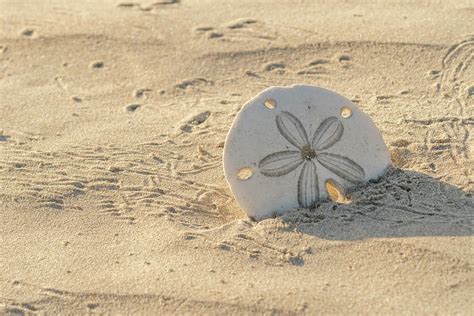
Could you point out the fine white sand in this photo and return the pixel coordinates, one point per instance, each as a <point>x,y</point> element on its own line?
<point>113,117</point>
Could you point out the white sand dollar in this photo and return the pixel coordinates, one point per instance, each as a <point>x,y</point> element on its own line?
<point>289,146</point>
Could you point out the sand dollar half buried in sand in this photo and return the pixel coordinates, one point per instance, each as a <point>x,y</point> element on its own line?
<point>287,142</point>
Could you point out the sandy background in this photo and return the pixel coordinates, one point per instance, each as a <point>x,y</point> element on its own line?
<point>112,122</point>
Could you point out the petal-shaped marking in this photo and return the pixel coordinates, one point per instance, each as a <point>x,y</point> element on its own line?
<point>342,166</point>
<point>291,128</point>
<point>308,185</point>
<point>280,163</point>
<point>328,133</point>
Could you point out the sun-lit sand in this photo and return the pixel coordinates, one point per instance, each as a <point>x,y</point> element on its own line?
<point>113,117</point>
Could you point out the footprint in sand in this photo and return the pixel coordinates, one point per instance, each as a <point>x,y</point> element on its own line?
<point>316,67</point>
<point>127,4</point>
<point>245,29</point>
<point>251,73</point>
<point>147,6</point>
<point>28,33</point>
<point>132,107</point>
<point>193,83</point>
<point>76,99</point>
<point>203,29</point>
<point>194,120</point>
<point>241,29</point>
<point>343,58</point>
<point>273,66</point>
<point>240,23</point>
<point>97,65</point>
<point>141,93</point>
<point>208,31</point>
<point>167,2</point>
<point>215,35</point>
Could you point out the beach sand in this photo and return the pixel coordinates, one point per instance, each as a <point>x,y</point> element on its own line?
<point>113,117</point>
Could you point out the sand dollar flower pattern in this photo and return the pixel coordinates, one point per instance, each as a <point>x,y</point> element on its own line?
<point>307,152</point>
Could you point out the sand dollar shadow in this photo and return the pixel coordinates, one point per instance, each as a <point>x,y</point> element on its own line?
<point>400,204</point>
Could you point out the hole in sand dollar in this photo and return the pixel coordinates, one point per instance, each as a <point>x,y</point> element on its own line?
<point>245,173</point>
<point>270,104</point>
<point>346,112</point>
<point>335,192</point>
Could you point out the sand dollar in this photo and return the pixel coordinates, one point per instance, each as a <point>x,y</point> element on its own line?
<point>290,147</point>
